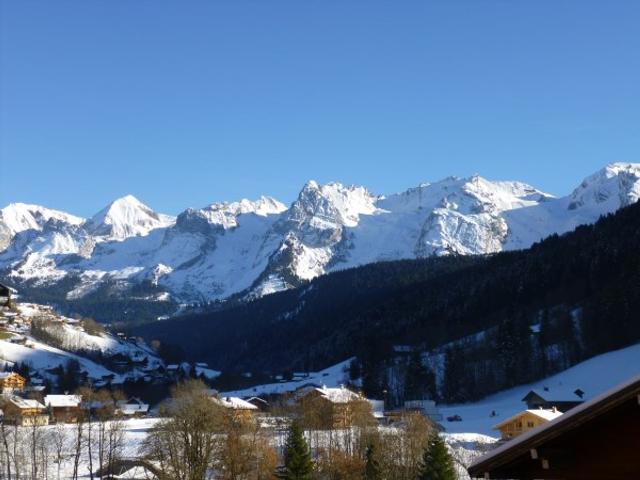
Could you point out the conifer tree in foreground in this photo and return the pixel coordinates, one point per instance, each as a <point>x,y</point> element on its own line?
<point>297,459</point>
<point>438,464</point>
<point>372,470</point>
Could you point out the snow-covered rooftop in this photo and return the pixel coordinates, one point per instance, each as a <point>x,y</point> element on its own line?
<point>59,401</point>
<point>235,403</point>
<point>339,394</point>
<point>23,403</point>
<point>545,414</point>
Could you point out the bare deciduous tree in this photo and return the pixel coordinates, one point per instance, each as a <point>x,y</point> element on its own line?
<point>186,444</point>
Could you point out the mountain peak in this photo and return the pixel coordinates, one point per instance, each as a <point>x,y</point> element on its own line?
<point>332,203</point>
<point>18,217</point>
<point>616,185</point>
<point>127,199</point>
<point>126,217</point>
<point>226,213</point>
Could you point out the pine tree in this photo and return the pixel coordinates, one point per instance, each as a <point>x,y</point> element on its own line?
<point>372,469</point>
<point>438,464</point>
<point>420,381</point>
<point>297,459</point>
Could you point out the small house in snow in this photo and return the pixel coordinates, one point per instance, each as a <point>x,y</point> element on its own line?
<point>562,399</point>
<point>64,408</point>
<point>239,407</point>
<point>337,407</point>
<point>25,412</point>
<point>524,421</point>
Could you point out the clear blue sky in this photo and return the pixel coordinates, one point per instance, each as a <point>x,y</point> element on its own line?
<point>182,103</point>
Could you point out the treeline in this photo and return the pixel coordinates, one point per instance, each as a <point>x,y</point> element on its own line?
<point>115,302</point>
<point>591,275</point>
<point>517,351</point>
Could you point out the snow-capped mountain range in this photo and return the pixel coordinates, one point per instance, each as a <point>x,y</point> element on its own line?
<point>259,247</point>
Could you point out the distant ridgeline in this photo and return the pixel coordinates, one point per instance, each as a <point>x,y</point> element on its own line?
<point>468,326</point>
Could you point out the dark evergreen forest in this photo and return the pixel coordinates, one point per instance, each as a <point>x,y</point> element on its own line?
<point>499,320</point>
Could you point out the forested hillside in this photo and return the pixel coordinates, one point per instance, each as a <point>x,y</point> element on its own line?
<point>521,314</point>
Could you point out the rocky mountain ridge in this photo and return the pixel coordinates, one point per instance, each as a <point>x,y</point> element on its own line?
<point>253,248</point>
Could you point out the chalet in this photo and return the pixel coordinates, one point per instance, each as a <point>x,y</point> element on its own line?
<point>133,407</point>
<point>64,408</point>
<point>561,398</point>
<point>239,407</point>
<point>11,382</point>
<point>25,412</point>
<point>598,439</point>
<point>336,407</point>
<point>524,421</point>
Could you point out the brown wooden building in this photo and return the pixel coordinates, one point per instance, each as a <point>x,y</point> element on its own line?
<point>599,439</point>
<point>240,408</point>
<point>11,382</point>
<point>328,408</point>
<point>64,408</point>
<point>524,421</point>
<point>22,411</point>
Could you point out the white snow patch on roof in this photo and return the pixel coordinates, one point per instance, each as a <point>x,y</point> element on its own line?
<point>62,400</point>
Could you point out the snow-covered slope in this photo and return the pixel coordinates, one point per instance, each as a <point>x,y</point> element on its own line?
<point>333,376</point>
<point>259,247</point>
<point>592,376</point>
<point>18,217</point>
<point>67,340</point>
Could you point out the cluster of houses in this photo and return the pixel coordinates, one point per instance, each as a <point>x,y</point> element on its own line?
<point>333,407</point>
<point>19,409</point>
